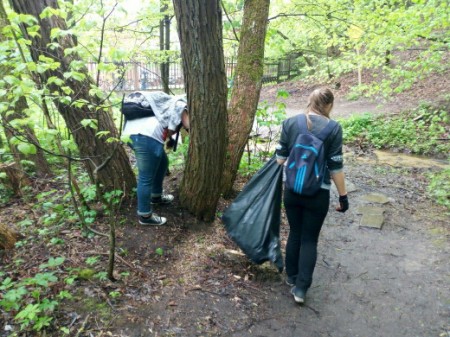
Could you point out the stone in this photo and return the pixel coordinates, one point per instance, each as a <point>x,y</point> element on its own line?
<point>370,210</point>
<point>372,220</point>
<point>376,198</point>
<point>348,185</point>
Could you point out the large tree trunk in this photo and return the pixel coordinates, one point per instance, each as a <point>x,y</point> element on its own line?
<point>26,132</point>
<point>200,34</point>
<point>117,173</point>
<point>246,86</point>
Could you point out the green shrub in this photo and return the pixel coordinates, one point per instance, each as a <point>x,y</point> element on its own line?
<point>421,131</point>
<point>439,187</point>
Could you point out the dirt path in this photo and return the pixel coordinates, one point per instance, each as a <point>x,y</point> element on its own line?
<point>368,282</point>
<point>188,279</point>
<point>392,281</point>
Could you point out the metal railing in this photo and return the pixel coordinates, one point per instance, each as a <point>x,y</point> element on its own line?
<point>131,76</point>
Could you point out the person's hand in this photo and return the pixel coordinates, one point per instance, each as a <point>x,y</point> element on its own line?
<point>170,143</point>
<point>343,204</point>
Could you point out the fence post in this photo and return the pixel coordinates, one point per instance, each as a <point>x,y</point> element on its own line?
<point>289,68</point>
<point>135,75</point>
<point>278,71</point>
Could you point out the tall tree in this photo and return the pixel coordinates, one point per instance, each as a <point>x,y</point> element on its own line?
<point>7,119</point>
<point>107,162</point>
<point>200,34</point>
<point>164,45</point>
<point>246,86</point>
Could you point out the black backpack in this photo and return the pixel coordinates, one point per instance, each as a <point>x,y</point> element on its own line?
<point>132,111</point>
<point>307,163</point>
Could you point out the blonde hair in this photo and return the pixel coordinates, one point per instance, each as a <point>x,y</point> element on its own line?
<point>320,101</point>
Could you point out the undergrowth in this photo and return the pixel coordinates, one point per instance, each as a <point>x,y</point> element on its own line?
<point>423,131</point>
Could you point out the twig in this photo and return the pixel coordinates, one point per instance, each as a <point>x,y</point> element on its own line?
<point>116,255</point>
<point>80,330</point>
<point>205,291</point>
<point>95,231</point>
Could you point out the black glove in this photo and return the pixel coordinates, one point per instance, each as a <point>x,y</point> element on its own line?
<point>343,204</point>
<point>170,143</point>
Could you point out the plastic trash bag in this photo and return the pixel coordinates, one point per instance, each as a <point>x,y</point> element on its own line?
<point>253,219</point>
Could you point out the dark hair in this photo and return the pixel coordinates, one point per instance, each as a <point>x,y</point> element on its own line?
<point>319,102</point>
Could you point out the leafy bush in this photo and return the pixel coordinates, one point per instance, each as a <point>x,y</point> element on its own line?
<point>32,301</point>
<point>268,120</point>
<point>421,131</point>
<point>439,187</point>
<point>178,158</point>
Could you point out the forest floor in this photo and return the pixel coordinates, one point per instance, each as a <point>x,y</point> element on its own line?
<point>188,278</point>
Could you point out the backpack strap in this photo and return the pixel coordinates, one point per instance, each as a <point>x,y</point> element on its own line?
<point>323,134</point>
<point>302,123</point>
<point>326,131</point>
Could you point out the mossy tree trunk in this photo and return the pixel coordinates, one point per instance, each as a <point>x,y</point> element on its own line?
<point>115,172</point>
<point>200,34</point>
<point>246,86</point>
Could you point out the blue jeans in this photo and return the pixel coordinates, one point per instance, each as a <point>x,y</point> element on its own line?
<point>305,216</point>
<point>152,166</point>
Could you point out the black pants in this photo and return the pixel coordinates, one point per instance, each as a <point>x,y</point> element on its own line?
<point>306,216</point>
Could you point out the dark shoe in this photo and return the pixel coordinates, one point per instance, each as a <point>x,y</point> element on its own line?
<point>290,281</point>
<point>153,220</point>
<point>299,295</point>
<point>163,199</point>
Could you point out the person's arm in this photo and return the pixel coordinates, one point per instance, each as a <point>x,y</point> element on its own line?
<point>339,181</point>
<point>282,151</point>
<point>335,164</point>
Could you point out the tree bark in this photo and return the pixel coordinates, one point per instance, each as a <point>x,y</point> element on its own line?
<point>16,178</point>
<point>246,86</point>
<point>200,34</point>
<point>26,132</point>
<point>8,237</point>
<point>117,173</point>
<point>164,44</point>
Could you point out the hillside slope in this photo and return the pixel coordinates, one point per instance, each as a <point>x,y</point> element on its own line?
<point>434,89</point>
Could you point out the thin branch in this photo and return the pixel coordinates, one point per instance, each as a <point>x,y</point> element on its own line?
<point>229,20</point>
<point>102,38</point>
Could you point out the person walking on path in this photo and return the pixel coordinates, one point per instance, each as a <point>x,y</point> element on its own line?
<point>306,214</point>
<point>148,136</point>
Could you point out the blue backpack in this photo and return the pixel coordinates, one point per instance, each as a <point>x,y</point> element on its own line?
<point>307,163</point>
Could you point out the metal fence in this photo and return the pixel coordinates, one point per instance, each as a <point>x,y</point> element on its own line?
<point>130,76</point>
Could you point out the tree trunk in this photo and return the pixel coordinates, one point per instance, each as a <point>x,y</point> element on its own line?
<point>8,237</point>
<point>96,152</point>
<point>16,178</point>
<point>26,132</point>
<point>200,34</point>
<point>164,44</point>
<point>246,86</point>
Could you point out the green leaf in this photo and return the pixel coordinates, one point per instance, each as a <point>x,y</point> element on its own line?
<point>92,123</point>
<point>126,139</point>
<point>26,148</point>
<point>55,80</point>
<point>52,262</point>
<point>29,313</point>
<point>102,133</point>
<point>42,322</point>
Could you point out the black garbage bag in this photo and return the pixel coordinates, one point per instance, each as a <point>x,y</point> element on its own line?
<point>253,219</point>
